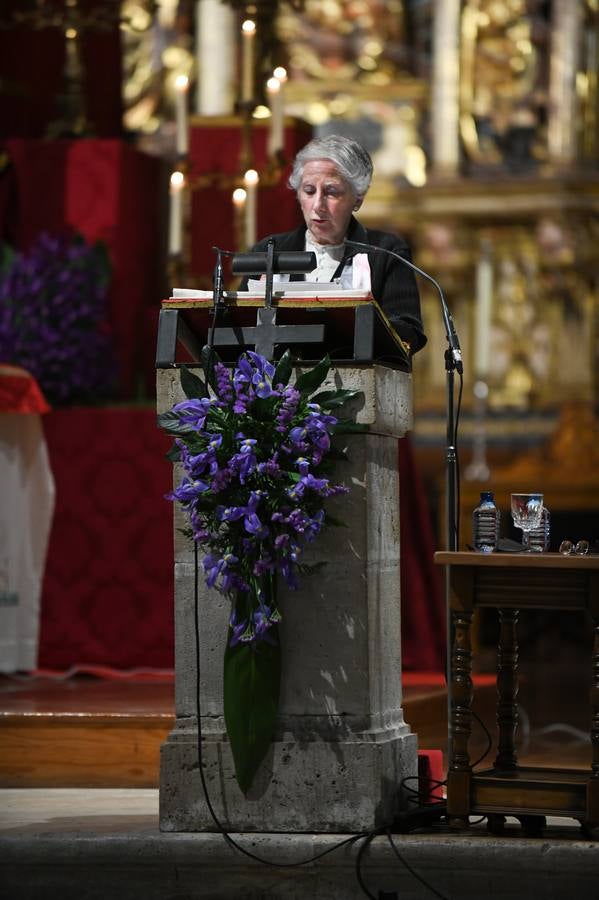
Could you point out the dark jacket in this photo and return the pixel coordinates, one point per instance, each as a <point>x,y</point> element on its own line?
<point>393,285</point>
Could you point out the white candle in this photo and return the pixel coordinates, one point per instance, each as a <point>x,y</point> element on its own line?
<point>175,225</point>
<point>248,36</point>
<point>275,133</point>
<point>239,200</point>
<point>239,197</point>
<point>280,73</point>
<point>482,320</point>
<point>181,86</point>
<point>251,186</point>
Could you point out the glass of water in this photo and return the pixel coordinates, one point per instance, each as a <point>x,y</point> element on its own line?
<point>526,513</point>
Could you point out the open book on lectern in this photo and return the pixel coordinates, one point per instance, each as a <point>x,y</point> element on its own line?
<point>309,319</point>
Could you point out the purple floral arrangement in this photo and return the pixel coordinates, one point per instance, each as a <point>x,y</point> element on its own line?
<point>53,318</point>
<point>258,457</point>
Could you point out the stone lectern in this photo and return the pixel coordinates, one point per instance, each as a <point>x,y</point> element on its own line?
<point>342,747</point>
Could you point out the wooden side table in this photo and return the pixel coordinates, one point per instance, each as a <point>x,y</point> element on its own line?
<point>510,582</point>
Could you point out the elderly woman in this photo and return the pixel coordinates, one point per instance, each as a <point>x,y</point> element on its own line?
<point>331,176</point>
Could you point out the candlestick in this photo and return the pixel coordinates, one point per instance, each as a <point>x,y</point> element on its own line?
<point>482,320</point>
<point>175,230</point>
<point>216,34</point>
<point>251,179</point>
<point>248,36</point>
<point>181,86</point>
<point>275,132</point>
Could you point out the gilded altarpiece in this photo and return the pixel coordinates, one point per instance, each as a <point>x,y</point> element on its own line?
<point>522,199</point>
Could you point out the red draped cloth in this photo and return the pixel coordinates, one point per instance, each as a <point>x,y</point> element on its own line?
<point>422,592</point>
<point>20,392</point>
<point>107,595</point>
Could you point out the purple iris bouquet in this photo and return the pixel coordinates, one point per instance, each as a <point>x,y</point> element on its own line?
<point>257,453</point>
<point>53,312</point>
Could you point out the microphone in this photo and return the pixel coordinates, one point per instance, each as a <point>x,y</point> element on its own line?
<point>217,291</point>
<point>283,261</point>
<point>452,337</point>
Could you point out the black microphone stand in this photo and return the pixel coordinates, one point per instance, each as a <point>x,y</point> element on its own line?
<point>453,363</point>
<point>217,291</point>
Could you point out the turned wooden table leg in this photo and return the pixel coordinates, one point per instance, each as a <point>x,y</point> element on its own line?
<point>593,784</point>
<point>460,726</point>
<point>507,690</point>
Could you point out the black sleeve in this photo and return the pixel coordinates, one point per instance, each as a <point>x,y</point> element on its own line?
<point>394,287</point>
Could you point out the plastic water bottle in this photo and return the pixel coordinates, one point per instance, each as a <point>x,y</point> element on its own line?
<point>485,524</point>
<point>539,537</point>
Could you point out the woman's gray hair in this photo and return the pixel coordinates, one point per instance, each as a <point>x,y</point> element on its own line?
<point>349,157</point>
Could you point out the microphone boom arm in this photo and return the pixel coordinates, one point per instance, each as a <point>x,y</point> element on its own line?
<point>452,337</point>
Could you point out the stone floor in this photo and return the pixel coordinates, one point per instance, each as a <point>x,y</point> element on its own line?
<point>104,844</point>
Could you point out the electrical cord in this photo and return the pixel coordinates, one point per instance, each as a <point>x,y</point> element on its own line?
<point>365,836</point>
<point>412,871</point>
<point>489,740</point>
<point>220,827</point>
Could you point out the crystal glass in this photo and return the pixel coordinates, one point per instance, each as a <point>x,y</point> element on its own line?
<point>526,513</point>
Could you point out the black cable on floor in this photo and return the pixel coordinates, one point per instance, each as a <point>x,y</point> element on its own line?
<point>220,827</point>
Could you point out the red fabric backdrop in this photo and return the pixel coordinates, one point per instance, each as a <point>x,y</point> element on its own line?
<point>107,596</point>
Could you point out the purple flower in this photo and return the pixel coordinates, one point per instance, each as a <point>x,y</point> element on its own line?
<point>223,382</point>
<point>188,490</point>
<point>53,318</point>
<point>253,525</point>
<point>194,412</point>
<point>230,513</point>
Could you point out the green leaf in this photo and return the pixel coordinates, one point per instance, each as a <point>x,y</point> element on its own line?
<point>7,257</point>
<point>192,385</point>
<point>174,454</point>
<point>283,370</point>
<point>170,422</point>
<point>102,256</point>
<point>209,357</point>
<point>334,399</point>
<point>346,426</point>
<point>309,381</point>
<point>252,676</point>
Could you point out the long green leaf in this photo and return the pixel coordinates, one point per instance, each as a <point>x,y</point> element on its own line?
<point>346,426</point>
<point>174,454</point>
<point>312,379</point>
<point>170,422</point>
<point>252,676</point>
<point>283,370</point>
<point>192,385</point>
<point>341,395</point>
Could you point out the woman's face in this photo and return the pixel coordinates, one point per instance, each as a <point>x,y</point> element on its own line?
<point>327,201</point>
